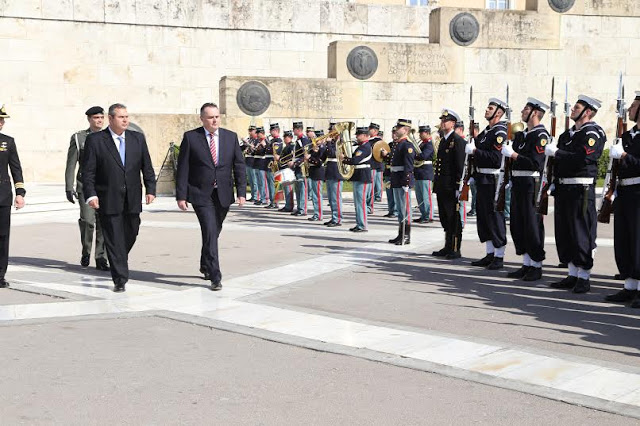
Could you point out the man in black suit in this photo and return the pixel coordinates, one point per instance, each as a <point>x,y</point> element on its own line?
<point>209,164</point>
<point>112,162</point>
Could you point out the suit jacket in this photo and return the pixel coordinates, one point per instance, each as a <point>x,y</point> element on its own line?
<point>197,173</point>
<point>117,187</point>
<point>9,160</point>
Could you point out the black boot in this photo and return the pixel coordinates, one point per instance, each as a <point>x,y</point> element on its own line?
<point>397,239</point>
<point>407,235</point>
<point>496,263</point>
<point>446,249</point>
<point>519,273</point>
<point>534,274</point>
<point>622,296</point>
<point>485,261</point>
<point>566,283</point>
<point>582,286</point>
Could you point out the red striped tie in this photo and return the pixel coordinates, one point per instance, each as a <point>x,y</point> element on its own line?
<point>212,148</point>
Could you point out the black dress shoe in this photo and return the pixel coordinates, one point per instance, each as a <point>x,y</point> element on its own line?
<point>453,255</point>
<point>566,283</point>
<point>84,261</point>
<point>622,296</point>
<point>471,213</point>
<point>251,200</point>
<point>328,222</point>
<point>563,265</point>
<point>118,288</point>
<point>296,213</point>
<point>582,286</point>
<point>257,203</point>
<point>619,277</point>
<point>313,219</point>
<point>284,209</point>
<point>441,253</point>
<point>635,303</point>
<point>390,215</point>
<point>333,224</point>
<point>215,286</point>
<point>485,261</point>
<point>3,283</point>
<point>534,274</point>
<point>407,241</point>
<point>378,200</point>
<point>102,265</point>
<point>519,273</point>
<point>360,230</point>
<point>430,221</point>
<point>496,263</point>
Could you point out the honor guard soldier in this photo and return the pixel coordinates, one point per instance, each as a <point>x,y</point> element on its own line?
<point>361,177</point>
<point>575,170</point>
<point>9,160</point>
<point>626,226</point>
<point>301,188</point>
<point>261,164</point>
<point>392,210</point>
<point>273,145</point>
<point>315,158</point>
<point>88,217</point>
<point>423,172</point>
<point>249,160</point>
<point>402,180</point>
<point>448,173</point>
<point>334,183</point>
<point>286,152</point>
<point>377,167</point>
<point>527,164</point>
<point>487,157</point>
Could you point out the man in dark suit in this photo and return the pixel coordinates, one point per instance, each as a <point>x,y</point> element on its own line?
<point>112,162</point>
<point>9,160</point>
<point>209,164</point>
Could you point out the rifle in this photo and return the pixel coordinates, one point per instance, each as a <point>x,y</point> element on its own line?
<point>467,169</point>
<point>499,200</point>
<point>542,199</point>
<point>611,178</point>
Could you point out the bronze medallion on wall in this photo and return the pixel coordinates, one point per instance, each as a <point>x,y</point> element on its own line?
<point>561,6</point>
<point>253,98</point>
<point>362,62</point>
<point>464,29</point>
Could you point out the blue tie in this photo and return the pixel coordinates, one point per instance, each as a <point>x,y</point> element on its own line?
<point>122,148</point>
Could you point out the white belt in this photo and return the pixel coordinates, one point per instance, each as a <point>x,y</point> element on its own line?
<point>334,160</point>
<point>524,173</point>
<point>423,163</point>
<point>362,166</point>
<point>268,156</point>
<point>629,181</point>
<point>576,181</point>
<point>485,171</point>
<point>397,168</point>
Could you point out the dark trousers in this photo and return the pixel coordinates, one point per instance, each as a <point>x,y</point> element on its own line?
<point>450,219</point>
<point>575,224</point>
<point>89,220</point>
<point>492,225</point>
<point>5,227</point>
<point>626,231</point>
<point>211,218</point>
<point>120,232</point>
<point>527,226</point>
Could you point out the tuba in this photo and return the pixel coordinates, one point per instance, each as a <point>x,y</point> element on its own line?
<point>344,147</point>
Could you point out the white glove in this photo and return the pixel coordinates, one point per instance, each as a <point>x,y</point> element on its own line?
<point>469,148</point>
<point>552,188</point>
<point>507,151</point>
<point>471,181</point>
<point>405,188</point>
<point>550,150</point>
<point>616,151</point>
<point>508,185</point>
<point>457,194</point>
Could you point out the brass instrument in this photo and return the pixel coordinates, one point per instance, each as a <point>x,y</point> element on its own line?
<point>517,127</point>
<point>412,138</point>
<point>273,164</point>
<point>344,148</point>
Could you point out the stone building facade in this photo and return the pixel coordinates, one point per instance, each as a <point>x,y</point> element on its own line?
<point>164,58</point>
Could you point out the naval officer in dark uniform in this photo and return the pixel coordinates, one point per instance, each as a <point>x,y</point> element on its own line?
<point>448,173</point>
<point>9,161</point>
<point>574,173</point>
<point>626,226</point>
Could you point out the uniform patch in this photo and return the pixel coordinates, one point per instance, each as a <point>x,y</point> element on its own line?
<point>540,149</point>
<point>500,139</point>
<point>591,142</point>
<point>410,150</point>
<point>3,146</point>
<point>543,142</point>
